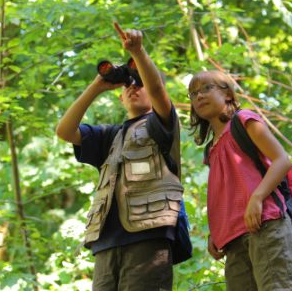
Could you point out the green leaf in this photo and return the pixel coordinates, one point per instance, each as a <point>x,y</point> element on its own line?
<point>15,68</point>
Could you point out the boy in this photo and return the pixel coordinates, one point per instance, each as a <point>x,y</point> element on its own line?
<point>132,219</point>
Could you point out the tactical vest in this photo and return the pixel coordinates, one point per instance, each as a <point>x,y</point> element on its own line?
<point>148,194</point>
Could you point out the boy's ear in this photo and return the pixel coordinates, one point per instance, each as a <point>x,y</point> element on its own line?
<point>121,97</point>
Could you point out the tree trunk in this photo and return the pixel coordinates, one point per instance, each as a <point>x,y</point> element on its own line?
<point>17,191</point>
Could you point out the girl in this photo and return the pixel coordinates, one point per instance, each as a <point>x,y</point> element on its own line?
<point>245,223</point>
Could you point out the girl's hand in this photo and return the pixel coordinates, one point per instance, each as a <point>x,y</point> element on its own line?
<point>214,252</point>
<point>131,39</point>
<point>253,213</point>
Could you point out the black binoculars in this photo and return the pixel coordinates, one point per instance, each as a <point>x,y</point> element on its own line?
<point>127,73</point>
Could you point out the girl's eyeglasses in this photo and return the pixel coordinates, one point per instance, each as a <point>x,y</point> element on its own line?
<point>203,90</point>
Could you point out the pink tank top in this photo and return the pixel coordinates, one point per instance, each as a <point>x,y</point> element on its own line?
<point>232,179</point>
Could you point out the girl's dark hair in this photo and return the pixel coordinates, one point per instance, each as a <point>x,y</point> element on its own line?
<point>222,81</point>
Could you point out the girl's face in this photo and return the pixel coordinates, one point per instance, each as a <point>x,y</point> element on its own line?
<point>208,99</point>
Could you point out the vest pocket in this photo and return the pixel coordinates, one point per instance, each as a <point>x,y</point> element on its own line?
<point>154,203</point>
<point>142,164</point>
<point>93,216</point>
<point>94,221</point>
<point>97,214</point>
<point>141,136</point>
<point>103,176</point>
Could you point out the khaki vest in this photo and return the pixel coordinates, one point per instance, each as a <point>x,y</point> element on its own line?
<point>148,194</point>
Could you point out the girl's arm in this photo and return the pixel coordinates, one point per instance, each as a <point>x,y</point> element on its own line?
<point>273,150</point>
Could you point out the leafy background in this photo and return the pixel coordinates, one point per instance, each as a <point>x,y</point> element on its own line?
<point>49,51</point>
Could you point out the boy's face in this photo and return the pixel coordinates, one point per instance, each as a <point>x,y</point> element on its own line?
<point>136,101</point>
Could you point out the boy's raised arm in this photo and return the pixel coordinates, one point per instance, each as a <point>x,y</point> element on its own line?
<point>132,41</point>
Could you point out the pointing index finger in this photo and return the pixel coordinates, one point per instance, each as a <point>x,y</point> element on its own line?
<point>120,31</point>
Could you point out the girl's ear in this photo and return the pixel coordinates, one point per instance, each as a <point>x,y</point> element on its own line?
<point>228,96</point>
<point>121,98</point>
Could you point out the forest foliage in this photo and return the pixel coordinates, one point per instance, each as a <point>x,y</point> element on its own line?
<point>48,55</point>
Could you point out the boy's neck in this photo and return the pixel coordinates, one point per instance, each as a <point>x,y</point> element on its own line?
<point>132,115</point>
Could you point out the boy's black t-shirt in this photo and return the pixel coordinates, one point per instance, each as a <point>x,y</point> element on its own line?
<point>94,149</point>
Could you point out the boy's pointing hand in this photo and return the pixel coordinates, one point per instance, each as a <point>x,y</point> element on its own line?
<point>131,39</point>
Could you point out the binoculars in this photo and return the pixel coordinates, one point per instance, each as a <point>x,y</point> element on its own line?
<point>127,73</point>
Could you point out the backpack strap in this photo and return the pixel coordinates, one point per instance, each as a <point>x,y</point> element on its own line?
<point>173,156</point>
<point>242,138</point>
<point>206,152</point>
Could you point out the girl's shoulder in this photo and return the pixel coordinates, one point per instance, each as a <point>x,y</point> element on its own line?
<point>247,114</point>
